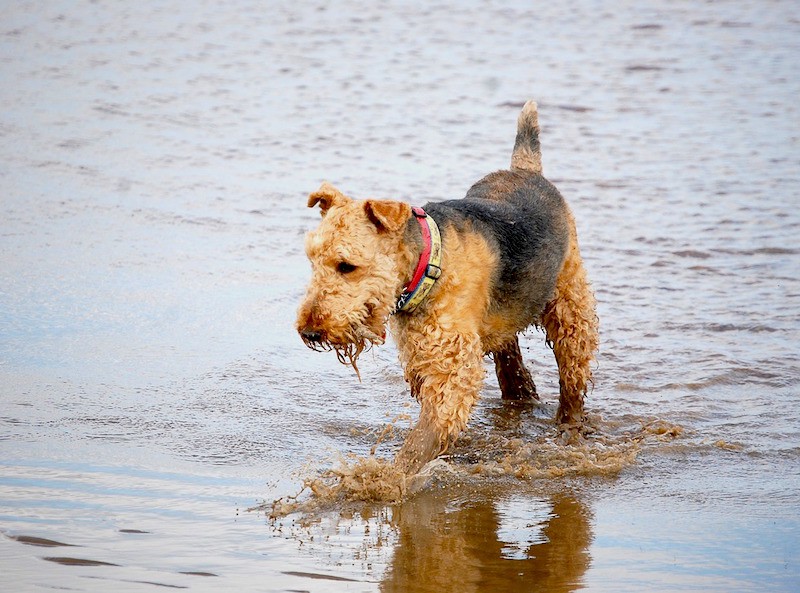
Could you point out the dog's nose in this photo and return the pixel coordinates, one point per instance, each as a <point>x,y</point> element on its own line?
<point>311,335</point>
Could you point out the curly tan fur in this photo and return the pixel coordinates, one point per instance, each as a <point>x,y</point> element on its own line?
<point>350,310</point>
<point>571,326</point>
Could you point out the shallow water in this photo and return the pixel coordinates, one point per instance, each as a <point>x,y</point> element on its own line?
<point>154,162</point>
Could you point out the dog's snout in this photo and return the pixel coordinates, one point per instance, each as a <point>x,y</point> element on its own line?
<point>311,335</point>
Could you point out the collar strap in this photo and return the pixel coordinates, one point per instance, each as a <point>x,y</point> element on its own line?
<point>429,267</point>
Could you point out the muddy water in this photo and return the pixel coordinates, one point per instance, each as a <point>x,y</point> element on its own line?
<point>154,162</point>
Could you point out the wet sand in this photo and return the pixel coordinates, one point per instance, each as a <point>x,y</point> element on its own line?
<point>154,164</point>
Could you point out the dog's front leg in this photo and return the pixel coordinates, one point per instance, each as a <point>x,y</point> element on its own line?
<point>421,445</point>
<point>446,379</point>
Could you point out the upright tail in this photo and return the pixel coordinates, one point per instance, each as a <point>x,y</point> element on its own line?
<point>527,155</point>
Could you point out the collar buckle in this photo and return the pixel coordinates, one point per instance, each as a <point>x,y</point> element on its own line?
<point>433,272</point>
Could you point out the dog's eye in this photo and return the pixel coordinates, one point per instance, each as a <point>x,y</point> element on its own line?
<point>345,268</point>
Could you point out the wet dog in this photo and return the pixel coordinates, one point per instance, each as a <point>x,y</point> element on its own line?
<point>456,280</point>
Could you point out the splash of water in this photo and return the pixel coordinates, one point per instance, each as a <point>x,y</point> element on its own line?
<point>476,457</point>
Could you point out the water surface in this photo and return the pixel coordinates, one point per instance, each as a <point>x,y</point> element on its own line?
<point>154,163</point>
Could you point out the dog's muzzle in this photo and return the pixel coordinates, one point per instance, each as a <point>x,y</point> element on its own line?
<point>311,335</point>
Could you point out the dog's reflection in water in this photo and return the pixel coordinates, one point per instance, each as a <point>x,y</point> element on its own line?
<point>477,543</point>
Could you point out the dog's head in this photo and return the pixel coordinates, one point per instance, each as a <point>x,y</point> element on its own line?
<point>359,265</point>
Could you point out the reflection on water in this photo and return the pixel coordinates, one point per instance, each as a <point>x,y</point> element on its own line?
<point>471,542</point>
<point>457,538</point>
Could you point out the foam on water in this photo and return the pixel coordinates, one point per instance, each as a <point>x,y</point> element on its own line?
<point>478,458</point>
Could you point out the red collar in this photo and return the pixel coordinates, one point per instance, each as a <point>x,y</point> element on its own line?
<point>425,256</point>
<point>428,267</point>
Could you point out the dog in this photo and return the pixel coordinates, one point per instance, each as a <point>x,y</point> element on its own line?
<point>456,280</point>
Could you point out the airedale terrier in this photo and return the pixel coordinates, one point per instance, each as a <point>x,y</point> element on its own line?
<point>456,280</point>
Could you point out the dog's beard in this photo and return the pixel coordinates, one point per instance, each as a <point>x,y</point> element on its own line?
<point>349,348</point>
<point>349,353</point>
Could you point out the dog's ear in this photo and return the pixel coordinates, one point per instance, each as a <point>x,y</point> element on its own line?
<point>387,215</point>
<point>327,197</point>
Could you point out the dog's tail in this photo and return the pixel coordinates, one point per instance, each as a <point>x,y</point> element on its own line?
<point>527,155</point>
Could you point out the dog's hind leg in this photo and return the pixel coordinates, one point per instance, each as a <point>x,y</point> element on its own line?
<point>515,380</point>
<point>571,325</point>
